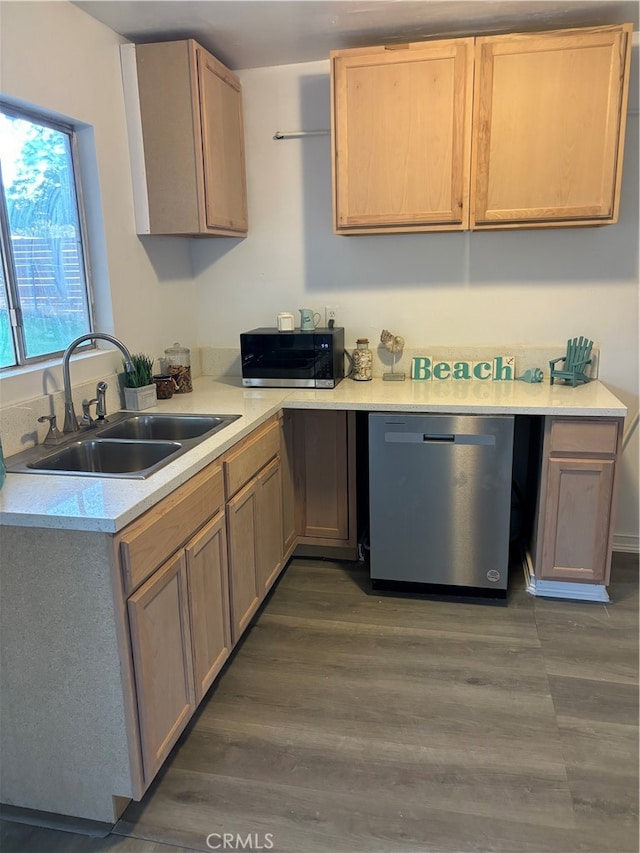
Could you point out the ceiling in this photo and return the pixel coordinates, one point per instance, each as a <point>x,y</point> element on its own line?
<point>255,33</point>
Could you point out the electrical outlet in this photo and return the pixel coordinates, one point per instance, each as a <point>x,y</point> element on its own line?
<point>330,313</point>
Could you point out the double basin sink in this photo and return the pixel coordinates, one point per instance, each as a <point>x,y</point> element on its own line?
<point>129,445</point>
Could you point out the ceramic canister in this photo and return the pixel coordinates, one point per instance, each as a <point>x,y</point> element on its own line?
<point>286,322</point>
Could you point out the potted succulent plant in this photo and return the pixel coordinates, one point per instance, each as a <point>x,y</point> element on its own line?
<point>139,387</point>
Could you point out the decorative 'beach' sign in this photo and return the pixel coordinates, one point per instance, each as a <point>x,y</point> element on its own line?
<point>502,368</point>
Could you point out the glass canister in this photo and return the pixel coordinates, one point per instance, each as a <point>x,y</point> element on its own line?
<point>362,361</point>
<point>178,365</point>
<point>165,386</point>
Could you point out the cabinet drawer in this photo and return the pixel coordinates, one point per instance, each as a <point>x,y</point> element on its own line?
<point>150,540</point>
<point>573,435</point>
<point>250,455</point>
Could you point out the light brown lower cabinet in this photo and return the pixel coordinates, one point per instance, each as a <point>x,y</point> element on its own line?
<point>193,575</point>
<point>244,547</point>
<point>289,531</point>
<point>325,482</point>
<point>196,567</point>
<point>576,500</point>
<point>270,554</point>
<point>180,638</point>
<point>175,573</point>
<point>255,543</point>
<point>208,582</point>
<point>254,520</point>
<point>161,647</point>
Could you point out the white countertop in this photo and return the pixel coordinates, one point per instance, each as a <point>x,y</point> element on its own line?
<point>108,505</point>
<point>460,397</point>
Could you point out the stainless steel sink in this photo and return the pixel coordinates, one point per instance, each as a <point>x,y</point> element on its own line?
<point>129,445</point>
<point>103,457</point>
<point>166,427</point>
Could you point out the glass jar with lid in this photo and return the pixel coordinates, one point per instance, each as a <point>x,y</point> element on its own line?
<point>362,361</point>
<point>178,366</point>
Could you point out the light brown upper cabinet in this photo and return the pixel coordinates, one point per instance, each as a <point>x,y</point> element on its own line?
<point>401,131</point>
<point>549,121</point>
<point>541,145</point>
<point>193,139</point>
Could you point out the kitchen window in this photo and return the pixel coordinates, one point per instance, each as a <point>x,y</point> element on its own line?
<point>45,298</point>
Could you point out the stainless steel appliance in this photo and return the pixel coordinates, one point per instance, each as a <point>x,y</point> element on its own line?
<point>297,359</point>
<point>439,500</point>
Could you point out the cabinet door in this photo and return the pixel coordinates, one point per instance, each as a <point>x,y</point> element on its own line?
<point>325,478</point>
<point>193,141</point>
<point>548,136</point>
<point>270,524</point>
<point>207,573</point>
<point>577,519</point>
<point>161,646</point>
<point>288,488</point>
<point>401,124</point>
<point>225,194</point>
<point>244,548</point>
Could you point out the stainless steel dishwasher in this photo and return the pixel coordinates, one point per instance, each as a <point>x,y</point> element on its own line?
<point>439,502</point>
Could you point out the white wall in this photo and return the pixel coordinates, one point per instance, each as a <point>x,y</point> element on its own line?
<point>456,289</point>
<point>54,56</point>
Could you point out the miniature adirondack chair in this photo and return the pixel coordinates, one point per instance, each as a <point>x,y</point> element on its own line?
<point>578,356</point>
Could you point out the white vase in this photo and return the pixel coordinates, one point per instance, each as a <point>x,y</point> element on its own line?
<point>140,398</point>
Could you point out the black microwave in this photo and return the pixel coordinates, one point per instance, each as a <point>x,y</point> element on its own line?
<point>296,359</point>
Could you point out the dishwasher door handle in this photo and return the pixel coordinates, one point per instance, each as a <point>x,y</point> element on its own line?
<point>439,438</point>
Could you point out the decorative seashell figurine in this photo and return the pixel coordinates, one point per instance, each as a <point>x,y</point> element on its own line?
<point>534,374</point>
<point>394,344</point>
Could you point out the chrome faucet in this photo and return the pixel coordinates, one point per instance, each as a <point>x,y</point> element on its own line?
<point>70,419</point>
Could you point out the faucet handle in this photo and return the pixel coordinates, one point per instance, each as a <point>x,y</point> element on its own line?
<point>53,436</point>
<point>87,420</point>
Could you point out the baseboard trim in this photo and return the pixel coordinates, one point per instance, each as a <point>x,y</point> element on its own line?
<point>331,552</point>
<point>573,591</point>
<point>49,820</point>
<point>562,589</point>
<point>628,544</point>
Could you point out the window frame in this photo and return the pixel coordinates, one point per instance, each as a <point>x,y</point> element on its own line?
<point>36,116</point>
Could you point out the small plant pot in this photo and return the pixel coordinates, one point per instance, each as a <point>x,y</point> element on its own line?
<point>137,399</point>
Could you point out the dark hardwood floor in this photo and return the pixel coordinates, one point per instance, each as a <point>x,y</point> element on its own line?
<point>351,722</point>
